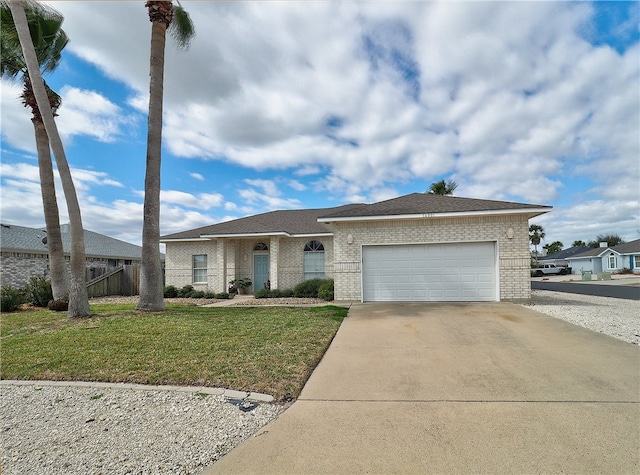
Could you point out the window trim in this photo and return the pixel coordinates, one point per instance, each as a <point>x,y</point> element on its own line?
<point>315,248</point>
<point>612,259</point>
<point>194,269</point>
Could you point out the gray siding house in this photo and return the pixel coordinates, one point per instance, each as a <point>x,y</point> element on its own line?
<point>418,247</point>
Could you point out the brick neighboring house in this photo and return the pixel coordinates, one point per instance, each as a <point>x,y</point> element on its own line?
<point>23,253</point>
<point>418,247</point>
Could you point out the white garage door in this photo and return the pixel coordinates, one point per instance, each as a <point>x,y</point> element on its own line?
<point>429,272</point>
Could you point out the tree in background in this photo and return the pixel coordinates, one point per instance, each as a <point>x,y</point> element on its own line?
<point>555,246</point>
<point>164,16</point>
<point>78,298</point>
<point>442,188</point>
<point>611,240</point>
<point>536,234</point>
<point>578,243</point>
<point>45,26</point>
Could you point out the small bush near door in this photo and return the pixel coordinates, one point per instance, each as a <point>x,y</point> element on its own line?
<point>325,291</point>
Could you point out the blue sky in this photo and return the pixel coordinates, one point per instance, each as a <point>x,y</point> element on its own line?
<point>282,105</point>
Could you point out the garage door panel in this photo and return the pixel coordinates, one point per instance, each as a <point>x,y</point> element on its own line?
<point>431,272</point>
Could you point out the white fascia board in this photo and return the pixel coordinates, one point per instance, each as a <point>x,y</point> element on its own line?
<point>185,240</point>
<point>461,214</point>
<point>245,235</point>
<point>312,235</point>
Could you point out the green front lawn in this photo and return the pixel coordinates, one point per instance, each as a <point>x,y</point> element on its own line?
<point>271,350</point>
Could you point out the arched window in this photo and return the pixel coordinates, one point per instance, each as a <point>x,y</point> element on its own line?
<point>261,247</point>
<point>313,260</point>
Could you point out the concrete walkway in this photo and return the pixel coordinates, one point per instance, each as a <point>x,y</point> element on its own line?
<point>457,388</point>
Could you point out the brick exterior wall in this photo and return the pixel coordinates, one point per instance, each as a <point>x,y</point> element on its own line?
<point>342,260</point>
<point>17,268</point>
<point>286,265</point>
<point>513,254</point>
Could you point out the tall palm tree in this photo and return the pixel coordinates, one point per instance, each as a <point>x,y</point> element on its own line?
<point>164,16</point>
<point>442,188</point>
<point>45,25</point>
<point>78,299</point>
<point>536,234</point>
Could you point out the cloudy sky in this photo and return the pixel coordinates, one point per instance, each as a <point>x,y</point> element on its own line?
<point>282,105</point>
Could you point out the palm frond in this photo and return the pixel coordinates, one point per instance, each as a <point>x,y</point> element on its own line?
<point>181,27</point>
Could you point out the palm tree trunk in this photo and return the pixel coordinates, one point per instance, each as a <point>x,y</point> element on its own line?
<point>151,292</point>
<point>78,298</point>
<point>57,263</point>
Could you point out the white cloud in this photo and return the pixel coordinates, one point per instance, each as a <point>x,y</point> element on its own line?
<point>203,201</point>
<point>356,100</point>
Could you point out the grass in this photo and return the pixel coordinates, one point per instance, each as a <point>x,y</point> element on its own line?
<point>271,350</point>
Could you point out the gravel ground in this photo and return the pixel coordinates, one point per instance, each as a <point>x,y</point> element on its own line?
<point>65,430</point>
<point>70,430</point>
<point>618,318</point>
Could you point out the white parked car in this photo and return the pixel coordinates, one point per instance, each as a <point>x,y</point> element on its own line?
<point>548,269</point>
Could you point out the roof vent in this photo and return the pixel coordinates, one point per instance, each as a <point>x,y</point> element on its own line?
<point>604,244</point>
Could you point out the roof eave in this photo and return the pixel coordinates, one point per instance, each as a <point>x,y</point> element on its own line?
<point>245,235</point>
<point>183,239</point>
<point>532,212</point>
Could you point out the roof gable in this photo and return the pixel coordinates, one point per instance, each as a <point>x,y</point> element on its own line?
<point>421,204</point>
<point>632,247</point>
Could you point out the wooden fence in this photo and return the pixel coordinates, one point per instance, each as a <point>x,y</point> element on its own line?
<point>123,280</point>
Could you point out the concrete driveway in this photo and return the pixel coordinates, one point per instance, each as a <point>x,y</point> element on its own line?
<point>457,388</point>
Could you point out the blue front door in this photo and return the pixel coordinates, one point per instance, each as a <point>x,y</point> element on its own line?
<point>260,271</point>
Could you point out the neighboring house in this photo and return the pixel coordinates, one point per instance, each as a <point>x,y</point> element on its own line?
<point>608,259</point>
<point>560,258</point>
<point>24,254</point>
<point>418,247</point>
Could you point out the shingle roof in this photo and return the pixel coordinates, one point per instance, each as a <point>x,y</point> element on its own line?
<point>23,239</point>
<point>565,253</point>
<point>292,222</point>
<point>593,252</point>
<point>425,203</point>
<point>632,247</point>
<point>305,221</point>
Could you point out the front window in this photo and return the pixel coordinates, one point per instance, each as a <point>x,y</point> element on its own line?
<point>199,268</point>
<point>613,264</point>
<point>313,260</point>
<point>636,262</point>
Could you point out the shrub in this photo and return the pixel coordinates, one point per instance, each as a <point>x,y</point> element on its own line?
<point>308,288</point>
<point>38,291</point>
<point>285,293</point>
<point>187,289</point>
<point>170,292</point>
<point>196,294</point>
<point>221,296</point>
<point>210,295</point>
<point>10,299</point>
<point>325,291</point>
<point>262,294</point>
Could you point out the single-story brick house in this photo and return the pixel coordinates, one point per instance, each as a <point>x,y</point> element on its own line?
<point>24,254</point>
<point>418,247</point>
<point>608,259</point>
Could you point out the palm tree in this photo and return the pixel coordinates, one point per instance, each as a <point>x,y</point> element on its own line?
<point>164,16</point>
<point>536,234</point>
<point>78,299</point>
<point>442,188</point>
<point>49,40</point>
